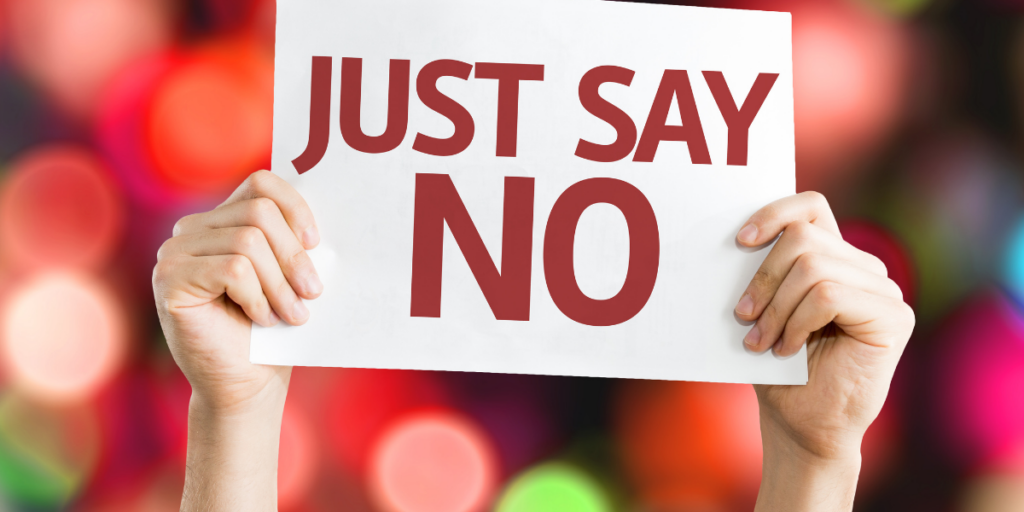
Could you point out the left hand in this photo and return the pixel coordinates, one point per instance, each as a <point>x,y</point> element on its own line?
<point>817,289</point>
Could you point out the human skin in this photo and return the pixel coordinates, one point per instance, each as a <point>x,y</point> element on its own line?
<point>245,261</point>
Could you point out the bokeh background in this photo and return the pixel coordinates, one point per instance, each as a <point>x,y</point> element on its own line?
<point>117,117</point>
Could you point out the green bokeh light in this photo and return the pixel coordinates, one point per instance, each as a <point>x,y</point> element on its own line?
<point>35,470</point>
<point>553,487</point>
<point>900,7</point>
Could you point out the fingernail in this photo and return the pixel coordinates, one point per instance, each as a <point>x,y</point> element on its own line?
<point>299,311</point>
<point>752,337</point>
<point>310,237</point>
<point>313,284</point>
<point>746,305</point>
<point>274,319</point>
<point>748,234</point>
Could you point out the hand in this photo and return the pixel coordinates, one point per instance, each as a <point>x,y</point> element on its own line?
<point>814,288</point>
<point>244,261</point>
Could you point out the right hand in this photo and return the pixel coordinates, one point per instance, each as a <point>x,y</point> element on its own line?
<point>243,261</point>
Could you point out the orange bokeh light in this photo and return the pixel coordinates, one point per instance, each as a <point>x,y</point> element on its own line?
<point>72,48</point>
<point>211,120</point>
<point>688,445</point>
<point>60,207</point>
<point>62,336</point>
<point>433,462</point>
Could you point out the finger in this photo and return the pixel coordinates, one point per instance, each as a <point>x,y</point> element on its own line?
<point>209,277</point>
<point>251,243</point>
<point>769,221</point>
<point>264,184</point>
<point>263,213</point>
<point>800,238</point>
<point>809,270</point>
<point>868,318</point>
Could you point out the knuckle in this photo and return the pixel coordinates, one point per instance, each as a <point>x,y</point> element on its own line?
<point>817,198</point>
<point>827,293</point>
<point>801,233</point>
<point>262,209</point>
<point>895,289</point>
<point>298,260</point>
<point>183,225</point>
<point>284,292</point>
<point>908,315</point>
<point>165,249</point>
<point>260,182</point>
<point>237,267</point>
<point>160,272</point>
<point>248,239</point>
<point>878,264</point>
<point>771,314</point>
<point>810,266</point>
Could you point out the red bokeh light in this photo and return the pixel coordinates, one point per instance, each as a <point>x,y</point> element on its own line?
<point>850,69</point>
<point>876,240</point>
<point>119,131</point>
<point>60,207</point>
<point>850,74</point>
<point>298,458</point>
<point>688,445</point>
<point>433,462</point>
<point>144,427</point>
<point>364,402</point>
<point>880,449</point>
<point>62,338</point>
<point>71,49</point>
<point>211,119</point>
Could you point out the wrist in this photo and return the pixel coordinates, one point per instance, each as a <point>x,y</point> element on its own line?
<point>268,401</point>
<point>233,452</point>
<point>796,479</point>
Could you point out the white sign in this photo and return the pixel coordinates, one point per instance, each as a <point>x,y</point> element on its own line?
<point>547,187</point>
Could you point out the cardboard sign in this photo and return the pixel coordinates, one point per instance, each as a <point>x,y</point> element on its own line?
<point>546,187</point>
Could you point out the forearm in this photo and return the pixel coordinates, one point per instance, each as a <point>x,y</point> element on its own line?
<point>795,481</point>
<point>232,459</point>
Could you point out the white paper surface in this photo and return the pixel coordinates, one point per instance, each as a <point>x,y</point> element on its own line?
<point>364,203</point>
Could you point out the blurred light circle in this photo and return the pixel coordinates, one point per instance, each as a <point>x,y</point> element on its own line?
<point>432,462</point>
<point>228,15</point>
<point>364,402</point>
<point>688,445</point>
<point>63,336</point>
<point>1013,266</point>
<point>553,487</point>
<point>210,121</point>
<point>145,405</point>
<point>978,384</point>
<point>850,69</point>
<point>851,66</point>
<point>60,207</point>
<point>876,240</point>
<point>993,493</point>
<point>46,454</point>
<point>73,47</point>
<point>119,131</point>
<point>879,449</point>
<point>297,461</point>
<point>518,412</point>
<point>901,7</point>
